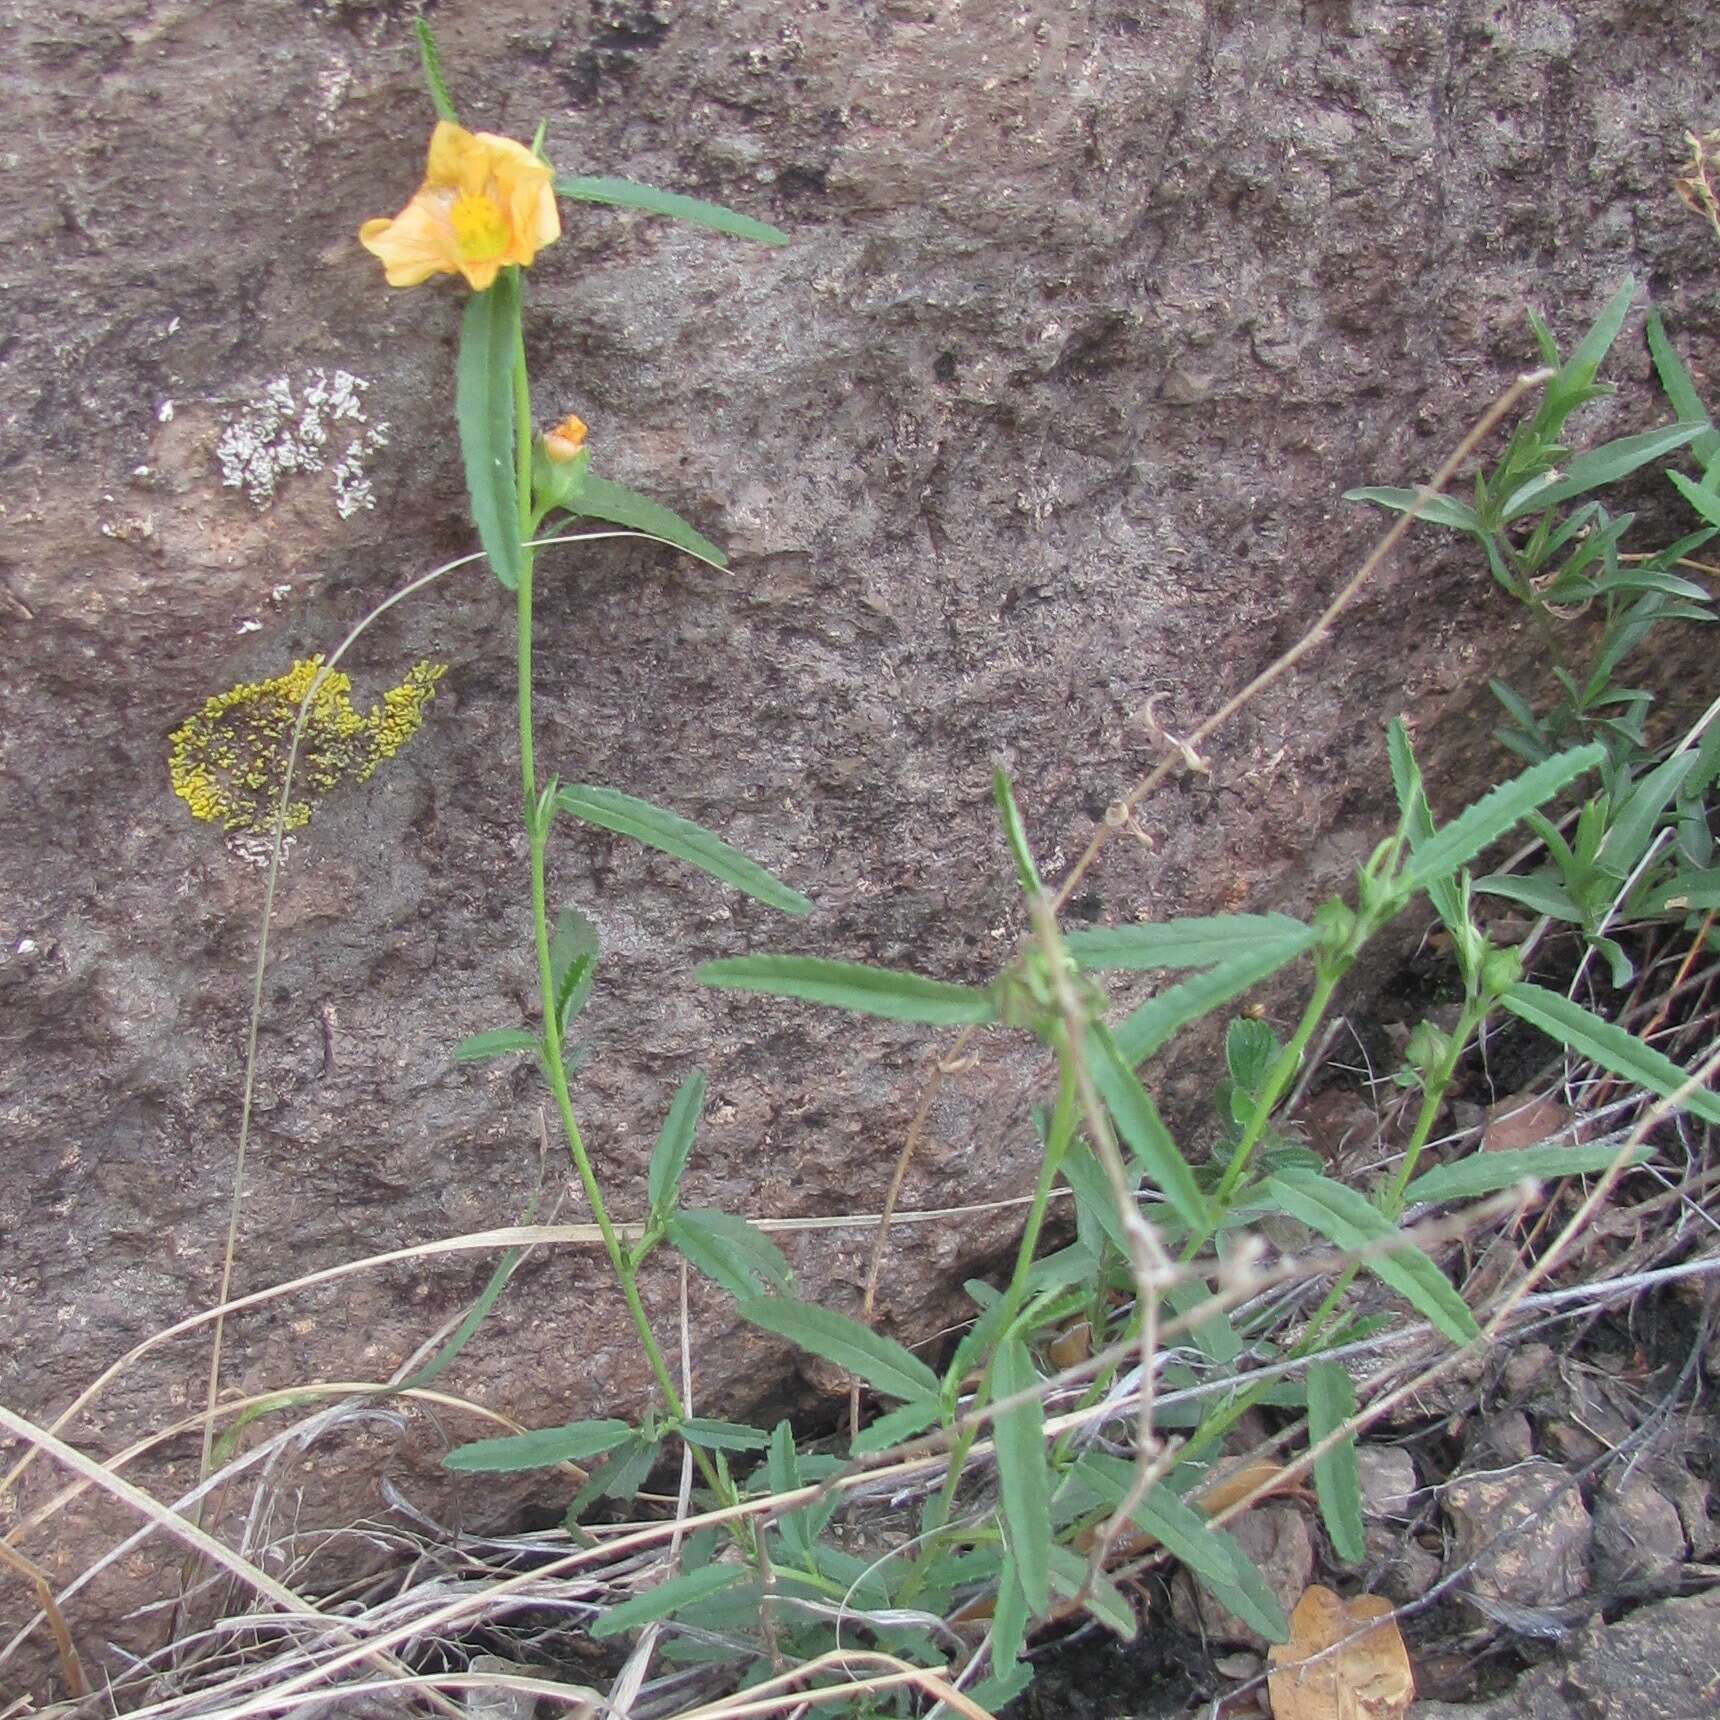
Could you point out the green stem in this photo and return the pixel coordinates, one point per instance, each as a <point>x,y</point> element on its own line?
<point>1433,1096</point>
<point>1278,1077</point>
<point>1391,1203</point>
<point>537,830</point>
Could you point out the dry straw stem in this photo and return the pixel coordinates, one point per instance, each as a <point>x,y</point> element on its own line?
<point>507,1236</point>
<point>186,1532</point>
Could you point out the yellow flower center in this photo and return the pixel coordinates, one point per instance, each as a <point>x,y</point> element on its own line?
<point>480,228</point>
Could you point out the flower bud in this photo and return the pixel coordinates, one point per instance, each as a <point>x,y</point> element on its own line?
<point>563,442</point>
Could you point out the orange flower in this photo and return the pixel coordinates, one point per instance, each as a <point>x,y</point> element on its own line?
<point>563,443</point>
<point>486,202</point>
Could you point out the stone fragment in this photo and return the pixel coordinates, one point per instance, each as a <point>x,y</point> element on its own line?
<point>1660,1663</point>
<point>1387,1479</point>
<point>1526,1530</point>
<point>1639,1539</point>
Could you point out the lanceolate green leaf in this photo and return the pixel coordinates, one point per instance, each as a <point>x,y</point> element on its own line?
<point>1611,1047</point>
<point>1704,500</point>
<point>626,194</point>
<point>667,1598</point>
<point>1479,826</point>
<point>1543,891</point>
<point>431,62</point>
<point>574,1443</point>
<point>852,986</point>
<point>1439,510</point>
<point>1680,389</point>
<point>880,1362</point>
<point>1100,1596</point>
<point>1021,1471</point>
<point>723,1435</point>
<point>1352,1221</point>
<point>1138,1122</point>
<point>900,1425</point>
<point>1191,943</point>
<point>675,1145</point>
<point>1159,1018</point>
<point>601,499</point>
<point>1015,833</point>
<point>681,839</point>
<point>496,1042</point>
<point>484,410</point>
<point>1086,1176</point>
<point>730,1252</point>
<point>1485,1173</point>
<point>1633,824</point>
<point>1337,1481</point>
<point>475,1316</point>
<point>1606,464</point>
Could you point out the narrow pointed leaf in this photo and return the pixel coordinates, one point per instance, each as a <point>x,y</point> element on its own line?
<point>679,838</point>
<point>1685,890</point>
<point>1211,1329</point>
<point>1026,1492</point>
<point>1152,1026</point>
<point>1086,1176</point>
<point>627,194</point>
<point>853,986</point>
<point>1191,943</point>
<point>572,964</point>
<point>1438,510</point>
<point>1486,1173</point>
<point>1015,833</point>
<point>1704,500</point>
<point>730,1252</point>
<point>722,1435</point>
<point>601,499</point>
<point>1479,826</point>
<point>1579,369</point>
<point>1541,891</point>
<point>431,62</point>
<point>1138,1122</point>
<point>1104,1600</point>
<point>675,1145</point>
<point>1351,1220</point>
<point>496,1042</point>
<point>907,1422</point>
<point>1680,389</point>
<point>1604,465</point>
<point>880,1362</point>
<point>484,411</point>
<point>574,1443</point>
<point>1633,824</point>
<point>1611,1047</point>
<point>667,1598</point>
<point>1337,1480</point>
<point>1177,1526</point>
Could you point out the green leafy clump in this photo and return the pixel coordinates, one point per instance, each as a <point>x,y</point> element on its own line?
<point>228,762</point>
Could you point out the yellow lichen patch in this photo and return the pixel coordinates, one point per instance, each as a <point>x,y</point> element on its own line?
<point>228,762</point>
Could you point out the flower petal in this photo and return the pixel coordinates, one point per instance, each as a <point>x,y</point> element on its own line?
<point>458,159</point>
<point>418,243</point>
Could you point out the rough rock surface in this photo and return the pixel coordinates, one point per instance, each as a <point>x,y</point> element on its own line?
<point>1660,1663</point>
<point>1092,312</point>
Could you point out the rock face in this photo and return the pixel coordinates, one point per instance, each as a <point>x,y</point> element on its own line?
<point>1092,312</point>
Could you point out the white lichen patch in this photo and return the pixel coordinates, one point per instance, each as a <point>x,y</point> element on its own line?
<point>282,431</point>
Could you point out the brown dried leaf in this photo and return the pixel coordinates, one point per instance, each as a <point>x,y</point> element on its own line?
<point>1369,1678</point>
<point>1524,1120</point>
